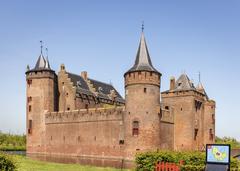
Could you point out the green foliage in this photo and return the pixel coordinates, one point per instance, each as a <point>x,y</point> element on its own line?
<point>193,161</point>
<point>10,142</point>
<point>228,140</point>
<point>7,163</point>
<point>26,164</point>
<point>192,168</point>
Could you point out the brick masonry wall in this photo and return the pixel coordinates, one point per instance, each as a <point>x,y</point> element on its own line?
<point>142,93</point>
<point>187,119</point>
<point>40,99</point>
<point>67,92</point>
<point>183,121</point>
<point>167,129</point>
<point>209,121</point>
<point>92,133</point>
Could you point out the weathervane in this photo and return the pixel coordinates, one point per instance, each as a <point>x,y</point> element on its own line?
<point>142,26</point>
<point>199,77</point>
<point>41,42</point>
<point>47,52</point>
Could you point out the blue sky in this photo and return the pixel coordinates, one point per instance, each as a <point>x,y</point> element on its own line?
<point>102,37</point>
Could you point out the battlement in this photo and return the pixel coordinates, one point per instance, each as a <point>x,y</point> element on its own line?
<point>142,77</point>
<point>182,93</point>
<point>40,74</point>
<point>85,115</point>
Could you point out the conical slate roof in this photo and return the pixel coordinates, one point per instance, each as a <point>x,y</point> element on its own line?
<point>41,62</point>
<point>41,65</point>
<point>47,64</point>
<point>201,89</point>
<point>143,61</point>
<point>184,83</point>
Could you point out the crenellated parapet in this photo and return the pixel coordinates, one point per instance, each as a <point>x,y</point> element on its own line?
<point>142,77</point>
<point>85,115</point>
<point>182,93</point>
<point>40,74</point>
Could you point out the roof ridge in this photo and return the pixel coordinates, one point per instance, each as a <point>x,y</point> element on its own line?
<point>100,82</point>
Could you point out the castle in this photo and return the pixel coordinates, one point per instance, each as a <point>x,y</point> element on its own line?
<point>74,116</point>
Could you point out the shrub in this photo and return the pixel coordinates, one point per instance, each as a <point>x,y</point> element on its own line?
<point>193,161</point>
<point>7,163</point>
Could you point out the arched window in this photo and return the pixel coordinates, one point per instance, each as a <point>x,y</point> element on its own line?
<point>135,128</point>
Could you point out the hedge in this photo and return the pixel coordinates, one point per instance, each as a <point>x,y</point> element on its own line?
<point>12,148</point>
<point>193,161</point>
<point>7,163</point>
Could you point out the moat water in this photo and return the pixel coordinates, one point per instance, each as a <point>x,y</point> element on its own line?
<point>101,162</point>
<point>22,153</point>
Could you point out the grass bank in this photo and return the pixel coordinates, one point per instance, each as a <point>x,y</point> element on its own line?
<point>26,164</point>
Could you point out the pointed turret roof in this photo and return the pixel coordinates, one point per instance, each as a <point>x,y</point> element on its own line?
<point>184,83</point>
<point>47,64</point>
<point>41,62</point>
<point>201,89</point>
<point>143,61</point>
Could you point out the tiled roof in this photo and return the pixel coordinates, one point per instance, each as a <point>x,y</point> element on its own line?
<point>184,83</point>
<point>103,89</point>
<point>143,61</point>
<point>42,64</point>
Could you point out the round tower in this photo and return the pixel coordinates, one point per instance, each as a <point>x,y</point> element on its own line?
<point>142,95</point>
<point>41,98</point>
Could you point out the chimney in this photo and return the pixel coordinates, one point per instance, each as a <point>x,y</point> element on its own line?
<point>84,75</point>
<point>62,67</point>
<point>172,83</point>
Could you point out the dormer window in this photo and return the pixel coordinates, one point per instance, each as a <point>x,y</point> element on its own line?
<point>100,89</point>
<point>79,84</point>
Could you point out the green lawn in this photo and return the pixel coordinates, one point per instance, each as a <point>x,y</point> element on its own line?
<point>26,164</point>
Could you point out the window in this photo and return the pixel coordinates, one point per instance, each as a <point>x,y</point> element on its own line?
<point>29,126</point>
<point>121,141</point>
<point>68,108</point>
<point>167,107</point>
<point>29,82</point>
<point>195,134</point>
<point>145,90</point>
<point>198,105</point>
<point>29,99</point>
<point>150,73</point>
<point>86,106</point>
<point>29,108</point>
<point>135,130</point>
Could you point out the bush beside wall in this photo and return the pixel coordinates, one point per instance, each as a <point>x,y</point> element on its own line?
<point>193,161</point>
<point>7,163</point>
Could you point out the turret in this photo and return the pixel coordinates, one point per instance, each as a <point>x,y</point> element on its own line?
<point>41,98</point>
<point>142,95</point>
